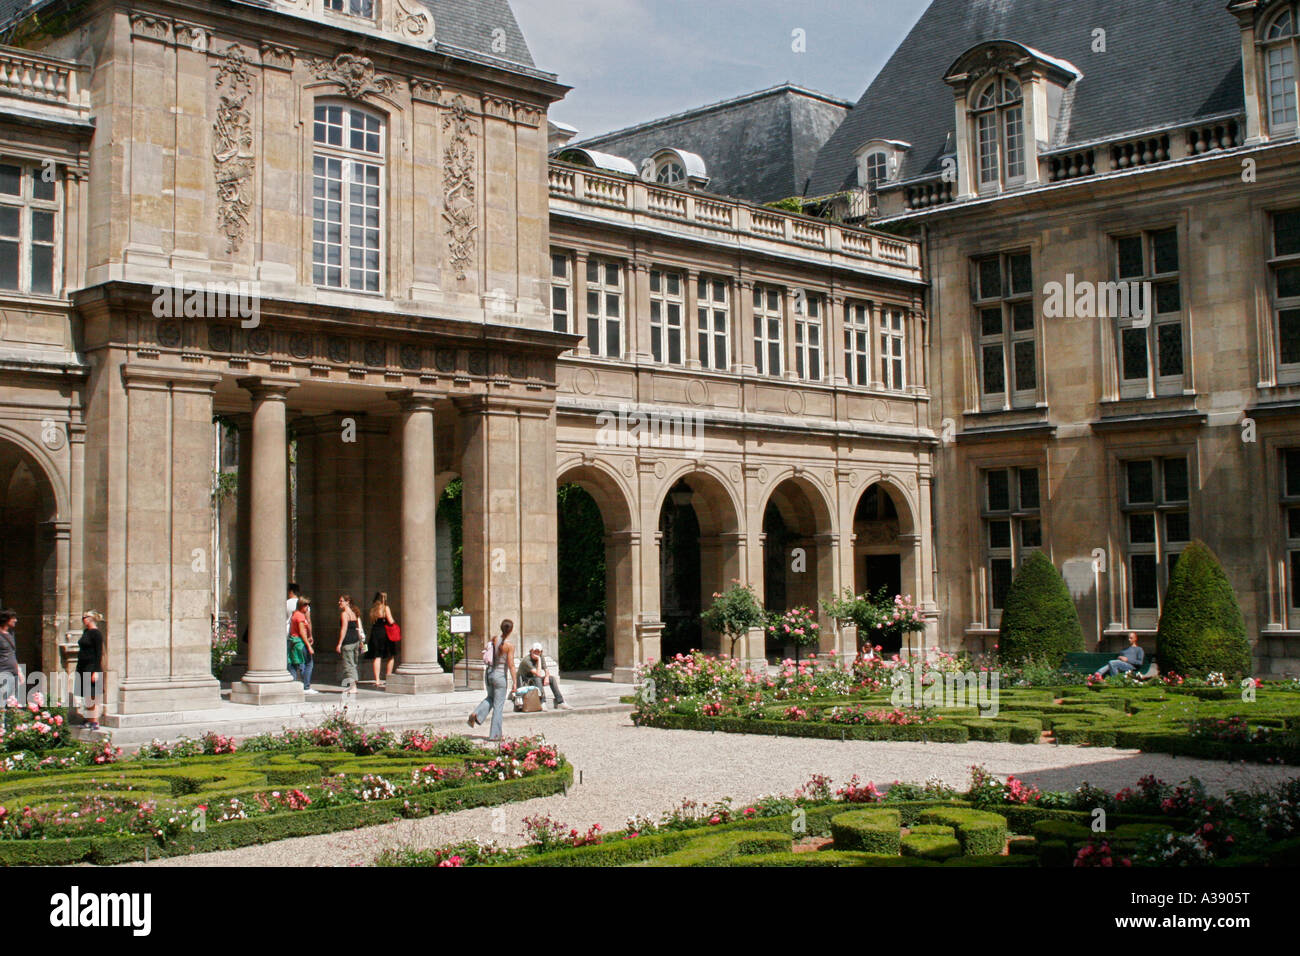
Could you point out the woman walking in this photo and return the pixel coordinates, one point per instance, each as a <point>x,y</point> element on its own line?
<point>500,658</point>
<point>381,648</point>
<point>349,642</point>
<point>90,667</point>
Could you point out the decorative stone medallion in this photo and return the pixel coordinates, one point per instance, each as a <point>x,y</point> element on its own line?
<point>219,338</point>
<point>444,360</point>
<point>259,341</point>
<point>169,334</point>
<point>409,356</point>
<point>375,354</point>
<point>478,363</point>
<point>338,349</point>
<point>300,345</point>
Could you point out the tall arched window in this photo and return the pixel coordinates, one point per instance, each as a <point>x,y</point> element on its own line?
<point>1280,41</point>
<point>1000,133</point>
<point>347,198</point>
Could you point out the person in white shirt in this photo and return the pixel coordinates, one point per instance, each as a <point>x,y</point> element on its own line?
<point>290,605</point>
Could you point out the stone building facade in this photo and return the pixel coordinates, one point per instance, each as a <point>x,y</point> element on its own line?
<point>1063,178</point>
<point>332,227</point>
<point>373,179</point>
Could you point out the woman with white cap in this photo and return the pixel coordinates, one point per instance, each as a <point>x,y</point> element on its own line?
<point>533,671</point>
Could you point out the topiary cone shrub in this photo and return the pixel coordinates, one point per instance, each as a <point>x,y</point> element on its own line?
<point>1039,621</point>
<point>1201,627</point>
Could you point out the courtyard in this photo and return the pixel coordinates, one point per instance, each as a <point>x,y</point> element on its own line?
<point>621,770</point>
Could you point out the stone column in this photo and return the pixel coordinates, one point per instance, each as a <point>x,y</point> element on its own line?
<point>268,680</point>
<point>419,671</point>
<point>243,526</point>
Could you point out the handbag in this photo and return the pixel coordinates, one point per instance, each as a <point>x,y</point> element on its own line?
<point>393,631</point>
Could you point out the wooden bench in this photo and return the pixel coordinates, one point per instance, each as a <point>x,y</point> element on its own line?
<point>1090,663</point>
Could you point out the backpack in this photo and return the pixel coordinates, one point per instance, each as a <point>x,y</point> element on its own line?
<point>489,653</point>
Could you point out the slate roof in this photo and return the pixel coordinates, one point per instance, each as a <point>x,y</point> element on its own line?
<point>467,25</point>
<point>1166,62</point>
<point>758,147</point>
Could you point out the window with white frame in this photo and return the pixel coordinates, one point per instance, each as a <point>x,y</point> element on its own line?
<point>857,343</point>
<point>1013,526</point>
<point>28,222</point>
<point>808,338</point>
<point>605,307</point>
<point>769,318</point>
<point>1157,519</point>
<point>1006,330</point>
<point>877,168</point>
<point>347,198</point>
<point>352,8</point>
<point>1290,461</point>
<point>666,307</point>
<point>1281,44</point>
<point>713,323</point>
<point>1284,270</point>
<point>1151,353</point>
<point>999,117</point>
<point>893,348</point>
<point>561,291</point>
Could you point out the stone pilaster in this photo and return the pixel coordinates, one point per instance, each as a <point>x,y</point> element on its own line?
<point>508,469</point>
<point>268,680</point>
<point>168,523</point>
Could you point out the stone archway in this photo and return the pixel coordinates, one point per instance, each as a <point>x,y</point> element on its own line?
<point>701,552</point>
<point>799,544</point>
<point>886,546</point>
<point>30,575</point>
<point>621,542</point>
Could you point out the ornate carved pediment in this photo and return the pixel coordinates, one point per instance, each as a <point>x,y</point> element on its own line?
<point>356,74</point>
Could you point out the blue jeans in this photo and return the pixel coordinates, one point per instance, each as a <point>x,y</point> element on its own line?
<point>495,701</point>
<point>1115,667</point>
<point>303,671</point>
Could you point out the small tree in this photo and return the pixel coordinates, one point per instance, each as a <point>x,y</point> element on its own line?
<point>1201,627</point>
<point>734,612</point>
<point>1039,620</point>
<point>877,617</point>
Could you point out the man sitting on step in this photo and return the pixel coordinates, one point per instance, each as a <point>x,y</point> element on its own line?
<point>533,671</point>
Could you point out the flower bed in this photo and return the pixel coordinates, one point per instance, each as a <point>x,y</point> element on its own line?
<point>822,698</point>
<point>197,796</point>
<point>993,823</point>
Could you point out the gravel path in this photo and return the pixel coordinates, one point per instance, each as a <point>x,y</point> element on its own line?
<point>627,770</point>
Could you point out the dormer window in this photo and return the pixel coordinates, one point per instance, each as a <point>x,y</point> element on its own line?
<point>877,168</point>
<point>999,113</point>
<point>1010,102</point>
<point>879,162</point>
<point>670,173</point>
<point>352,8</point>
<point>1280,39</point>
<point>675,167</point>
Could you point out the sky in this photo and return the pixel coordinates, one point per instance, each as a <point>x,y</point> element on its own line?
<point>629,61</point>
